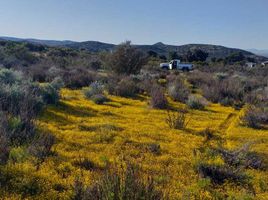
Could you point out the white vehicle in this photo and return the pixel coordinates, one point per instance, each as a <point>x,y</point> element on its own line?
<point>265,63</point>
<point>176,64</point>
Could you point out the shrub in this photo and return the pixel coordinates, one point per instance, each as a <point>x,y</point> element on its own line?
<point>220,174</point>
<point>145,86</point>
<point>211,92</point>
<point>154,148</point>
<point>198,78</point>
<point>126,59</point>
<point>121,183</point>
<point>209,135</point>
<point>227,91</point>
<point>253,117</point>
<point>20,130</point>
<point>196,102</point>
<point>99,99</point>
<point>21,102</point>
<point>9,77</point>
<point>41,147</point>
<point>18,155</point>
<point>20,97</point>
<point>57,83</point>
<point>158,98</point>
<point>178,91</point>
<point>126,87</point>
<point>78,78</point>
<point>49,93</point>
<point>177,120</point>
<point>96,88</point>
<point>85,164</point>
<point>4,149</point>
<point>241,157</point>
<point>30,187</point>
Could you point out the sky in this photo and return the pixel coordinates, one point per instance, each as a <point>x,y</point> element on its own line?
<point>232,23</point>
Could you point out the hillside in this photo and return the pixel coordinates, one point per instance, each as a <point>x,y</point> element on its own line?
<point>160,48</point>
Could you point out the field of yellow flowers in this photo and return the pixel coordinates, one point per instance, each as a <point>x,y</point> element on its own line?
<point>128,129</point>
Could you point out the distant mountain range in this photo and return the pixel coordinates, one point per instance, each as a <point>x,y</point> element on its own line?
<point>160,48</point>
<point>37,41</point>
<point>263,52</point>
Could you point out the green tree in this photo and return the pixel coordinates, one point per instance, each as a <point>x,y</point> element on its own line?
<point>235,57</point>
<point>172,55</point>
<point>126,59</point>
<point>152,53</point>
<point>196,55</point>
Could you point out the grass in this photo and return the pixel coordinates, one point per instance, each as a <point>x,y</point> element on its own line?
<point>119,130</point>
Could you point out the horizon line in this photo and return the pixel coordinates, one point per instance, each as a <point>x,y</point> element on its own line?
<point>81,41</point>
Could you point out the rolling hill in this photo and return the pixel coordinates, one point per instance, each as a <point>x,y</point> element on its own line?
<point>160,48</point>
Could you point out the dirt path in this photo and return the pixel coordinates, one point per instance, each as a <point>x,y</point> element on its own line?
<point>229,123</point>
<point>225,125</point>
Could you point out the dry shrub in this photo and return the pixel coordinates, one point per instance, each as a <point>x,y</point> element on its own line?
<point>177,120</point>
<point>126,59</point>
<point>41,147</point>
<point>95,88</point>
<point>49,93</point>
<point>197,102</point>
<point>85,164</point>
<point>21,100</point>
<point>145,86</point>
<point>233,168</point>
<point>227,91</point>
<point>4,149</point>
<point>209,135</point>
<point>220,174</point>
<point>178,91</point>
<point>255,117</point>
<point>118,183</point>
<point>241,157</point>
<point>122,86</point>
<point>158,98</point>
<point>78,78</point>
<point>99,99</point>
<point>96,93</point>
<point>198,78</point>
<point>154,148</point>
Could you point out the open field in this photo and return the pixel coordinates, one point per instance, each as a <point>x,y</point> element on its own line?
<point>115,126</point>
<point>125,129</point>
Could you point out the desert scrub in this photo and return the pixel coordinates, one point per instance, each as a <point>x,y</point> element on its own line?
<point>196,102</point>
<point>99,99</point>
<point>94,89</point>
<point>96,93</point>
<point>41,147</point>
<point>178,90</point>
<point>255,117</point>
<point>123,86</point>
<point>49,93</point>
<point>119,183</point>
<point>178,119</point>
<point>4,149</point>
<point>158,98</point>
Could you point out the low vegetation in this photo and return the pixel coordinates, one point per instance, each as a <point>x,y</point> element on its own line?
<point>119,183</point>
<point>73,123</point>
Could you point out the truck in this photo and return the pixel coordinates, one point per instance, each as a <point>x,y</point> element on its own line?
<point>176,64</point>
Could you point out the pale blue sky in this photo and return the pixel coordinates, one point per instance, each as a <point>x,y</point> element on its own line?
<point>233,23</point>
